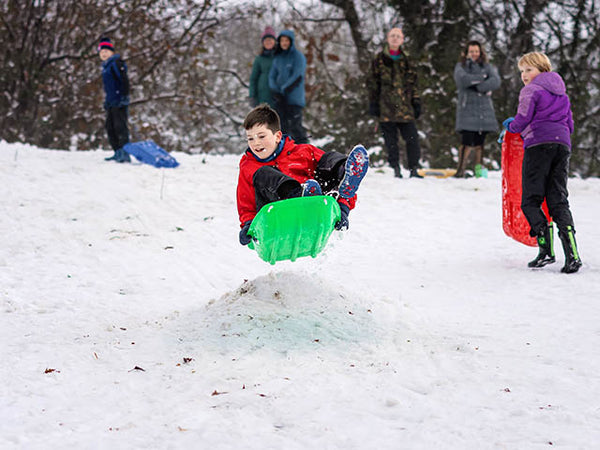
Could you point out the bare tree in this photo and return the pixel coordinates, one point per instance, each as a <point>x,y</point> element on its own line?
<point>189,66</point>
<point>437,31</point>
<point>50,85</point>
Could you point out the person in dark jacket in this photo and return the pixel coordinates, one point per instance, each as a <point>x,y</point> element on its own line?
<point>259,78</point>
<point>394,101</point>
<point>116,102</point>
<point>545,121</point>
<point>475,117</point>
<point>286,81</point>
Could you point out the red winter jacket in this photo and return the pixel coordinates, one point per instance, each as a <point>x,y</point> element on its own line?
<point>298,161</point>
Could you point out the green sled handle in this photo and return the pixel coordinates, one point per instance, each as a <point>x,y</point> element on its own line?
<point>293,228</point>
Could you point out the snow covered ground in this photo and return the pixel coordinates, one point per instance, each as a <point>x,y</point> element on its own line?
<point>133,321</point>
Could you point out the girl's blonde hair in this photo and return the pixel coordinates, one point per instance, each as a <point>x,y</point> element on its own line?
<point>536,59</point>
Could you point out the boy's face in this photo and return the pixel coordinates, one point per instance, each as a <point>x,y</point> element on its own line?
<point>105,54</point>
<point>284,42</point>
<point>262,141</point>
<point>528,73</point>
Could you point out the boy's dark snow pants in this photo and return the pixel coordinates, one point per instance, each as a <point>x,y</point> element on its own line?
<point>271,185</point>
<point>116,126</point>
<point>545,173</point>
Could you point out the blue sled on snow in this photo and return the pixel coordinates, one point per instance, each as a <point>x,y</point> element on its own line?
<point>149,152</point>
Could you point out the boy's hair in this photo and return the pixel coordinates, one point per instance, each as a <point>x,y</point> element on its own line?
<point>263,115</point>
<point>536,59</point>
<point>482,54</point>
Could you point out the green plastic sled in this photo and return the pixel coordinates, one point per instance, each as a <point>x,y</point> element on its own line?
<point>292,228</point>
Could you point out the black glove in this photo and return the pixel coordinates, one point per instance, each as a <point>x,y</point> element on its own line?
<point>278,98</point>
<point>253,102</point>
<point>416,104</point>
<point>292,86</point>
<point>374,109</point>
<point>343,223</point>
<point>244,237</point>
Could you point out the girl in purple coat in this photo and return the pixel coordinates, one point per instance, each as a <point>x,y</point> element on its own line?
<point>545,122</point>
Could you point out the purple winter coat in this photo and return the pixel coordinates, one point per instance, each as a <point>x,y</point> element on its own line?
<point>544,115</point>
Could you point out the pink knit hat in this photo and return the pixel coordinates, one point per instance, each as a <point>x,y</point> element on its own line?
<point>269,32</point>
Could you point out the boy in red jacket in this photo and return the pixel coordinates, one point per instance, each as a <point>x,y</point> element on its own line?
<point>275,168</point>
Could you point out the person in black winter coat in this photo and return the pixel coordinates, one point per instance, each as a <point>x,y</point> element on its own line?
<point>116,102</point>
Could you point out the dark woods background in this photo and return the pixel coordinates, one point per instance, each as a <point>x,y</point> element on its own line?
<point>190,60</point>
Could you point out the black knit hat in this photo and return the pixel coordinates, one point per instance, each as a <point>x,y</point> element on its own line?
<point>105,43</point>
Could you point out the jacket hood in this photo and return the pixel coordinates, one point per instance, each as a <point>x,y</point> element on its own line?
<point>552,82</point>
<point>290,34</point>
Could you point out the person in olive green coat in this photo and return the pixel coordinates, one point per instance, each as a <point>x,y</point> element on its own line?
<point>259,79</point>
<point>394,101</point>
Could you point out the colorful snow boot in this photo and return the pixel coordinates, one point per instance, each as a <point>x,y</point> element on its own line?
<point>355,170</point>
<point>311,187</point>
<point>545,240</point>
<point>572,259</point>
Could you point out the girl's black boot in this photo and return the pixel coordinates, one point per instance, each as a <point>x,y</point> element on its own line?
<point>545,240</point>
<point>572,259</point>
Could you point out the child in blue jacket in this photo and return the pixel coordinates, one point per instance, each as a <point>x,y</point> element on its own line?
<point>116,103</point>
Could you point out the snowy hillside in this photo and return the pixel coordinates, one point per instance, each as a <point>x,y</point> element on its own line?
<point>133,321</point>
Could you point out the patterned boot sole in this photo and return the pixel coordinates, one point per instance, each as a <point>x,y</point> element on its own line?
<point>356,169</point>
<point>310,188</point>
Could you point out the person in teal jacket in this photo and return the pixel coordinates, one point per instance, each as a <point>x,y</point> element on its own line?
<point>259,79</point>
<point>286,80</point>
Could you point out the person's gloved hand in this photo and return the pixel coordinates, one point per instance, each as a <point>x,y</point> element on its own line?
<point>416,104</point>
<point>506,123</point>
<point>343,223</point>
<point>374,109</point>
<point>501,137</point>
<point>278,99</point>
<point>244,237</point>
